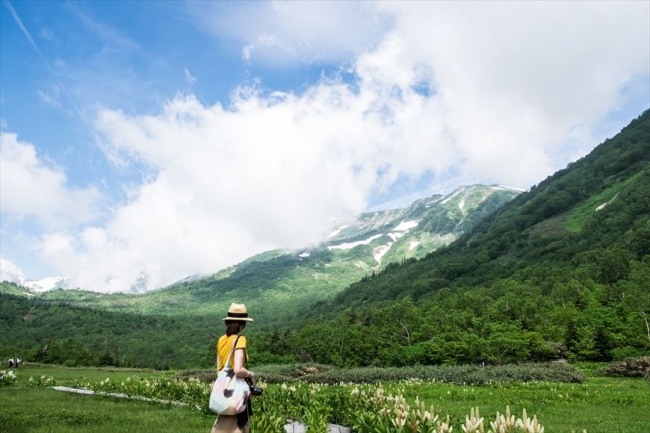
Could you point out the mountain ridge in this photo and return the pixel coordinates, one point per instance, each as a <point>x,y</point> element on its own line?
<point>370,220</point>
<point>496,246</point>
<point>355,249</point>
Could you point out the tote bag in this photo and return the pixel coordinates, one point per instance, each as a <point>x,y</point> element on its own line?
<point>229,393</point>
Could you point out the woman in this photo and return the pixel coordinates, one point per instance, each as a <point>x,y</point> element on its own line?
<point>235,323</point>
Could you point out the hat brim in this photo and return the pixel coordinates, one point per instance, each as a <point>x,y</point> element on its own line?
<point>239,319</point>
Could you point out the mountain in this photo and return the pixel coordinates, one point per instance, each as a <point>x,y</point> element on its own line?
<point>39,286</point>
<point>284,280</point>
<point>599,202</point>
<point>422,227</point>
<point>561,271</point>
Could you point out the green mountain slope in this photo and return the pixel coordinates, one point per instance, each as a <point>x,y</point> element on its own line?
<point>277,284</point>
<point>560,271</point>
<point>599,202</point>
<point>61,334</point>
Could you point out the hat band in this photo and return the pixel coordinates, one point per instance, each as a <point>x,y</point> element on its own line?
<point>237,314</point>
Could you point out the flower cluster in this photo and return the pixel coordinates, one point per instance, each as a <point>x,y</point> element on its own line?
<point>365,408</point>
<point>502,424</point>
<point>43,381</point>
<point>193,392</point>
<point>7,379</point>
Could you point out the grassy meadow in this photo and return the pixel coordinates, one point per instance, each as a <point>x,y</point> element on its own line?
<point>597,405</point>
<point>41,409</point>
<point>600,405</point>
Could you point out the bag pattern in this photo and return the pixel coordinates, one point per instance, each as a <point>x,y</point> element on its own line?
<point>229,394</point>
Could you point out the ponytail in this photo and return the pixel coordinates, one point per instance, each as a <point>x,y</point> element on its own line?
<point>234,327</point>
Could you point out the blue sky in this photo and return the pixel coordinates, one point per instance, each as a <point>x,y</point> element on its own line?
<point>168,139</point>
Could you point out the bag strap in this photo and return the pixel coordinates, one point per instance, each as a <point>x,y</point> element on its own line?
<point>232,350</point>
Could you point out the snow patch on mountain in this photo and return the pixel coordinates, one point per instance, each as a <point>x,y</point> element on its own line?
<point>458,191</point>
<point>507,188</point>
<point>406,226</point>
<point>413,244</point>
<point>336,232</point>
<point>40,286</point>
<point>399,231</point>
<point>350,245</point>
<point>47,284</point>
<point>604,205</point>
<point>461,205</point>
<point>380,251</point>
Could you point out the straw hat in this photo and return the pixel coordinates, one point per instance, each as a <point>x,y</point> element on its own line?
<point>238,312</point>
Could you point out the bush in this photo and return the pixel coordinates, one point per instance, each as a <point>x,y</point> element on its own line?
<point>6,380</point>
<point>463,374</point>
<point>205,376</point>
<point>274,373</point>
<point>631,367</point>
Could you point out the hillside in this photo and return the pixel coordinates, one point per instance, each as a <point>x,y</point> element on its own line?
<point>60,334</point>
<point>560,271</point>
<point>601,202</point>
<point>289,280</point>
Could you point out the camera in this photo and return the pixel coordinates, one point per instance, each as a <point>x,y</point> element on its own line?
<point>255,390</point>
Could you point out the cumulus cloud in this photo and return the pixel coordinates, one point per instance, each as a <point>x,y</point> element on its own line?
<point>32,187</point>
<point>524,77</point>
<point>465,92</point>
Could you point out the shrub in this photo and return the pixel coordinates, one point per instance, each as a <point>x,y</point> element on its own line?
<point>41,382</point>
<point>459,374</point>
<point>631,367</point>
<point>6,380</point>
<point>205,376</point>
<point>462,374</point>
<point>274,373</point>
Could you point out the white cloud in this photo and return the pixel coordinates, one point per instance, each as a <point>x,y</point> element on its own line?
<point>516,79</point>
<point>30,187</point>
<point>188,76</point>
<point>281,33</point>
<point>502,93</point>
<point>52,98</point>
<point>6,267</point>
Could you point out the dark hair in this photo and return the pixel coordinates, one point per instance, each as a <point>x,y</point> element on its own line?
<point>234,327</point>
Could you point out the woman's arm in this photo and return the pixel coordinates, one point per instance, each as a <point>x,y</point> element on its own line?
<point>239,369</point>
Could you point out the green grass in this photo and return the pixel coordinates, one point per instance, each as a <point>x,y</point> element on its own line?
<point>46,410</point>
<point>599,405</point>
<point>65,375</point>
<point>25,409</point>
<point>576,220</point>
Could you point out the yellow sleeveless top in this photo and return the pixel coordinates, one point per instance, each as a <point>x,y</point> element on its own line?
<point>224,345</point>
